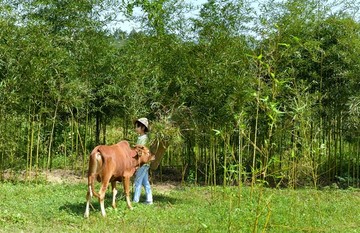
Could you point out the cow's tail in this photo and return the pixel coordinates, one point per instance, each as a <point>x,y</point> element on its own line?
<point>95,164</point>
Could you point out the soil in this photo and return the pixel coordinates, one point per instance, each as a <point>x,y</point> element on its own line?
<point>59,176</point>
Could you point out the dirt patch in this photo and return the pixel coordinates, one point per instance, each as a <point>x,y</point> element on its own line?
<point>54,176</point>
<point>65,176</point>
<point>164,188</point>
<point>59,176</point>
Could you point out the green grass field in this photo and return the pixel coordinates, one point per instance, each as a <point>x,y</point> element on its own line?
<point>49,207</point>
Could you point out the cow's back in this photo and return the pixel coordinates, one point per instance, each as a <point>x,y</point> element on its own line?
<point>118,159</point>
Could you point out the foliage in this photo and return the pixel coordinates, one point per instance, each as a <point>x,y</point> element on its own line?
<point>266,92</point>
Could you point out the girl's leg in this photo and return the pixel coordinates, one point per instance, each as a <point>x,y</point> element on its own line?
<point>139,175</point>
<point>146,184</point>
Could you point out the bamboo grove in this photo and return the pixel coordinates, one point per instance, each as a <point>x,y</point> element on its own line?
<point>243,92</point>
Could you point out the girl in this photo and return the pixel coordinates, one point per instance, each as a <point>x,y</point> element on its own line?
<point>142,174</point>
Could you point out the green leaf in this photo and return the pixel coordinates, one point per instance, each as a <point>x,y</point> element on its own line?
<point>217,132</point>
<point>284,44</point>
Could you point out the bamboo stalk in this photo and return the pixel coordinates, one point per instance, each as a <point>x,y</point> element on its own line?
<point>240,159</point>
<point>72,125</point>
<point>197,151</point>
<point>225,157</point>
<point>31,146</point>
<point>357,163</point>
<point>84,167</point>
<point>253,175</point>
<point>48,166</point>
<point>28,143</point>
<point>65,148</point>
<point>38,147</point>
<point>329,170</point>
<point>214,162</point>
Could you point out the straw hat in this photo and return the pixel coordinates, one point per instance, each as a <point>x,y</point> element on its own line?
<point>143,121</point>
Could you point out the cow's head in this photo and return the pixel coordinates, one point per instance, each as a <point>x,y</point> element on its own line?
<point>143,154</point>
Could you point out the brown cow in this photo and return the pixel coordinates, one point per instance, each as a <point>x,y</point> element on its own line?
<point>113,163</point>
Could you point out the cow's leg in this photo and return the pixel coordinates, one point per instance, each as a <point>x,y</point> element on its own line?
<point>89,194</point>
<point>102,192</point>
<point>114,192</point>
<point>88,198</point>
<point>126,183</point>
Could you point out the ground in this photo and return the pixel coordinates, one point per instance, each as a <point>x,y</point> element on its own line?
<point>55,202</point>
<point>70,177</point>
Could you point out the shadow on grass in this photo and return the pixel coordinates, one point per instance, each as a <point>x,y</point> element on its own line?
<point>76,208</point>
<point>79,208</point>
<point>164,199</point>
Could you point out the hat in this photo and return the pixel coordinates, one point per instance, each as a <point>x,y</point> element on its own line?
<point>144,121</point>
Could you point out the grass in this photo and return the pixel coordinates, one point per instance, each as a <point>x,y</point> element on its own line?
<point>29,207</point>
